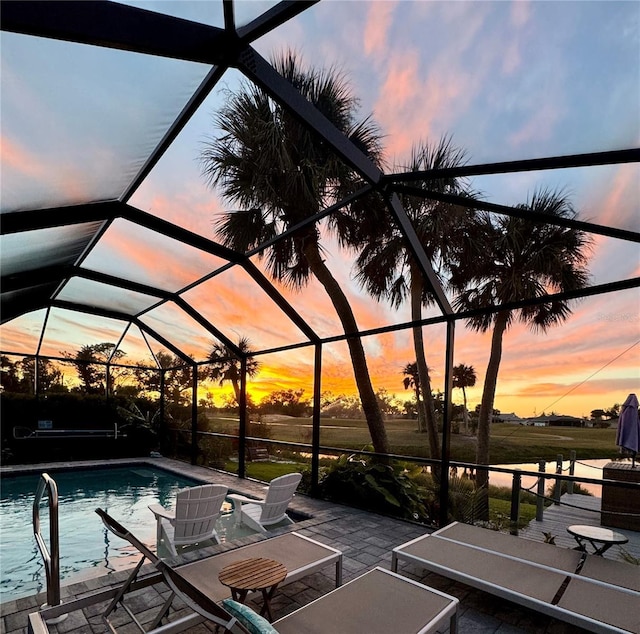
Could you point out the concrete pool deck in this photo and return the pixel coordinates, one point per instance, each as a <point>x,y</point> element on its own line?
<point>366,540</point>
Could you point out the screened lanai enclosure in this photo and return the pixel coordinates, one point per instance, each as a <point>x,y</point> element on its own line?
<point>242,222</point>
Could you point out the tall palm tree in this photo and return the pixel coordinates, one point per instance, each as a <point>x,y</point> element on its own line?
<point>387,269</point>
<point>412,380</point>
<point>224,366</point>
<point>464,376</point>
<point>280,173</point>
<point>512,259</point>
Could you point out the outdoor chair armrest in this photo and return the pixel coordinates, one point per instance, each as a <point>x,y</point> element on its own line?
<point>241,498</point>
<point>160,511</point>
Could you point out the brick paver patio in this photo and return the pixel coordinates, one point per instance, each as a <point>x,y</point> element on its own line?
<point>366,540</point>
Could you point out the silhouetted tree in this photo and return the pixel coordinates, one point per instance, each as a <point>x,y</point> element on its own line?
<point>510,259</point>
<point>464,376</point>
<point>224,366</point>
<point>280,174</point>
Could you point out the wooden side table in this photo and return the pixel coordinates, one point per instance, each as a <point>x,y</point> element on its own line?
<point>601,539</point>
<point>253,575</point>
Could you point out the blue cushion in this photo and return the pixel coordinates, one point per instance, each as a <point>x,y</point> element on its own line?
<point>254,623</point>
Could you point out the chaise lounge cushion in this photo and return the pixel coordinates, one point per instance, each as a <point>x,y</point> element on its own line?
<point>617,573</point>
<point>598,595</point>
<point>468,564</point>
<point>300,556</point>
<point>603,604</point>
<point>377,602</point>
<point>512,546</point>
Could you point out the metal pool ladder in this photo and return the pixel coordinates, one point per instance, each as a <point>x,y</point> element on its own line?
<point>51,560</point>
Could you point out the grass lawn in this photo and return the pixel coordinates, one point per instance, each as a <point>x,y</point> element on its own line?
<point>500,510</point>
<point>510,444</point>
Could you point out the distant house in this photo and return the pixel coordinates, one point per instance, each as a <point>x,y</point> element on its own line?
<point>556,420</point>
<point>507,418</point>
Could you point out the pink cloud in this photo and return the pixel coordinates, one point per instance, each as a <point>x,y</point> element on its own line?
<point>193,207</point>
<point>520,13</point>
<point>539,127</point>
<point>376,30</point>
<point>512,59</point>
<point>616,205</point>
<point>411,106</point>
<point>422,98</point>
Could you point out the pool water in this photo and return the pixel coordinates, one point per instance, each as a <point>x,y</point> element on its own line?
<point>87,548</point>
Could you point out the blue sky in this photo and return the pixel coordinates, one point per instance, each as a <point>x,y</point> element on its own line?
<point>507,80</point>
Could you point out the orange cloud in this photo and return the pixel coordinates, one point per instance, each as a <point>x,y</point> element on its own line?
<point>135,253</point>
<point>233,302</point>
<point>193,208</point>
<point>18,158</point>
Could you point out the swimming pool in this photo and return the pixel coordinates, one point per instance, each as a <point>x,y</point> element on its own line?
<point>87,548</point>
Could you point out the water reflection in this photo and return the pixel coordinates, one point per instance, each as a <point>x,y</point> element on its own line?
<point>583,469</point>
<point>84,544</point>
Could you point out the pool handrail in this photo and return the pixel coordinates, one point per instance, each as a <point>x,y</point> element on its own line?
<point>51,559</point>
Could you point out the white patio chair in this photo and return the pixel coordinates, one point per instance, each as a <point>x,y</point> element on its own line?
<point>194,520</point>
<point>258,514</point>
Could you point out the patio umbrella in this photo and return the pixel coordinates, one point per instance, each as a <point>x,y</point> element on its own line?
<point>628,436</point>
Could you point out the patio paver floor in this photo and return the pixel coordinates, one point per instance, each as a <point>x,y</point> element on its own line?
<point>366,541</point>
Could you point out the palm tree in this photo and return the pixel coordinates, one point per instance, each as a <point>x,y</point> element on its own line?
<point>464,376</point>
<point>280,173</point>
<point>412,380</point>
<point>224,366</point>
<point>387,269</point>
<point>512,259</point>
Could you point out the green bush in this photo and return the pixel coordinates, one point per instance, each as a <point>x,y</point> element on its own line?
<point>374,487</point>
<point>504,493</point>
<point>215,451</point>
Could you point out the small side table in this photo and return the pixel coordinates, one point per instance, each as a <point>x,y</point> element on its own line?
<point>601,539</point>
<point>253,575</point>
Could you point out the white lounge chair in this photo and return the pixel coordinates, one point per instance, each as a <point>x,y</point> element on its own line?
<point>194,519</point>
<point>258,514</point>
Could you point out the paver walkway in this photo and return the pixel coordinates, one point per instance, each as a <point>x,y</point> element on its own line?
<point>365,539</point>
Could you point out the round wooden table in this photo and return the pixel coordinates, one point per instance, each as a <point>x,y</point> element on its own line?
<point>595,535</point>
<point>253,575</point>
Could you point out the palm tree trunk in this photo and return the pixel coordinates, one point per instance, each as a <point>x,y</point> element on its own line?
<point>486,406</point>
<point>422,413</point>
<point>465,411</point>
<point>236,389</point>
<point>339,300</point>
<point>421,362</point>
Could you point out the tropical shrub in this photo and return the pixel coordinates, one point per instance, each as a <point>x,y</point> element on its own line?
<point>373,486</point>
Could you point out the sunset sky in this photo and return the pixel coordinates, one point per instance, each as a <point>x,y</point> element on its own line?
<point>507,80</point>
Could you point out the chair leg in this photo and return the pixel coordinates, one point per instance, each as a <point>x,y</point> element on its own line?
<point>163,612</point>
<point>158,534</point>
<point>118,598</point>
